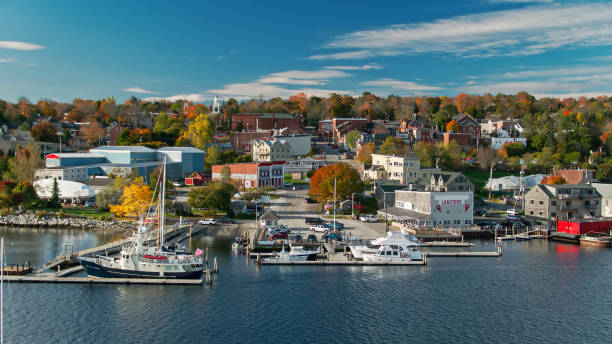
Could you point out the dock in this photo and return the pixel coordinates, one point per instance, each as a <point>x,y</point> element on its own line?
<point>344,262</point>
<point>90,280</point>
<point>464,254</point>
<point>447,244</point>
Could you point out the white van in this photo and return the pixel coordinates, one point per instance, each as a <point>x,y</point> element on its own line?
<point>512,211</point>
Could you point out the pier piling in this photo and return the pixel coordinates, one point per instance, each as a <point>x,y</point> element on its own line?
<point>215,266</point>
<point>208,279</point>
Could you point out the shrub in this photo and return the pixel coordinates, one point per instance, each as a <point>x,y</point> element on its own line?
<point>40,213</point>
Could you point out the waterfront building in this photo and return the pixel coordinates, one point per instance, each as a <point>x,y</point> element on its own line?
<point>431,208</point>
<point>513,183</point>
<point>300,144</point>
<point>401,168</point>
<point>122,160</point>
<point>304,165</point>
<point>67,190</point>
<point>551,202</point>
<point>253,174</point>
<point>605,190</point>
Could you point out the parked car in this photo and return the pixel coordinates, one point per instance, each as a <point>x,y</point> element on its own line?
<point>298,238</point>
<point>309,200</point>
<point>319,228</point>
<point>207,222</point>
<point>330,225</point>
<point>288,184</point>
<point>177,184</point>
<point>280,235</point>
<point>513,218</point>
<point>314,220</point>
<point>311,238</point>
<point>512,211</point>
<point>368,218</point>
<point>481,212</point>
<point>225,219</point>
<point>331,236</point>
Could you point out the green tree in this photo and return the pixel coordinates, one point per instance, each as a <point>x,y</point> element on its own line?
<point>394,145</point>
<point>213,156</point>
<point>215,195</point>
<point>25,163</point>
<point>351,138</point>
<point>54,201</point>
<point>226,174</point>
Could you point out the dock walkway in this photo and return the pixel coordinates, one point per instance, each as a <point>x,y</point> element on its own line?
<point>89,280</point>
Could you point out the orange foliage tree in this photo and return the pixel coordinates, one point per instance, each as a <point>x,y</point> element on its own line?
<point>452,126</point>
<point>347,179</point>
<point>365,153</point>
<point>553,180</point>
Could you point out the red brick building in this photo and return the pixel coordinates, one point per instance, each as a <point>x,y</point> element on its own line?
<point>268,121</point>
<point>468,125</point>
<point>241,140</point>
<point>463,139</point>
<point>254,174</point>
<point>338,127</point>
<point>420,132</point>
<point>578,176</point>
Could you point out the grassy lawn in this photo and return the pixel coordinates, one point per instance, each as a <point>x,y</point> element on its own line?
<point>91,213</point>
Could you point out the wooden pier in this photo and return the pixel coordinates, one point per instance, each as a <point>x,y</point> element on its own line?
<point>90,280</point>
<point>343,262</point>
<point>464,254</point>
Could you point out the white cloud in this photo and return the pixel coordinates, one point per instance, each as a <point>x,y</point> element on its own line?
<point>13,45</point>
<point>139,90</point>
<point>364,67</point>
<point>400,85</point>
<point>7,60</point>
<point>524,31</point>
<point>250,90</point>
<point>519,1</point>
<point>355,55</point>
<point>301,77</point>
<point>195,97</point>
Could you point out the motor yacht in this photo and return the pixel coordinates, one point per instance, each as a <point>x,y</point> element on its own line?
<point>387,254</point>
<point>400,239</point>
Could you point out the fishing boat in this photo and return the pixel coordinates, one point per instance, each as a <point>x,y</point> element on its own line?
<point>139,260</point>
<point>402,239</point>
<point>596,239</point>
<point>300,251</point>
<point>296,254</point>
<point>387,254</point>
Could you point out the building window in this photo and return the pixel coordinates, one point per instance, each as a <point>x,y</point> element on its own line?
<point>541,202</point>
<point>531,212</point>
<point>553,203</point>
<point>540,213</point>
<point>553,214</point>
<point>530,201</point>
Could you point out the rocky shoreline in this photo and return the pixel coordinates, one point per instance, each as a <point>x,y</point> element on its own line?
<point>78,223</point>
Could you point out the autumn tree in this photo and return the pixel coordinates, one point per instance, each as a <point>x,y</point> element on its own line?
<point>134,201</point>
<point>44,131</point>
<point>485,155</point>
<point>92,133</point>
<point>553,180</point>
<point>226,173</point>
<point>200,132</point>
<point>452,126</point>
<point>365,153</point>
<point>395,146</point>
<point>347,180</point>
<point>24,165</point>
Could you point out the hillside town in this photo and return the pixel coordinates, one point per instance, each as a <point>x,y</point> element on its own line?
<point>451,166</point>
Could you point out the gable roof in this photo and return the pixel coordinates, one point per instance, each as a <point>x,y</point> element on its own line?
<point>269,215</point>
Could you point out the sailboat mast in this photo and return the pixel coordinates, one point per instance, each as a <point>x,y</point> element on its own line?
<point>2,291</point>
<point>162,205</point>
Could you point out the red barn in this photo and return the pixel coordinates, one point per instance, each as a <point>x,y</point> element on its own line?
<point>584,226</point>
<point>194,179</point>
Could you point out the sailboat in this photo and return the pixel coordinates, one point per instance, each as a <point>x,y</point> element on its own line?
<point>138,260</point>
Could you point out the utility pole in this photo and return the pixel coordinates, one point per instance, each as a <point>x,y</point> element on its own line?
<point>335,204</point>
<point>491,179</point>
<point>352,206</point>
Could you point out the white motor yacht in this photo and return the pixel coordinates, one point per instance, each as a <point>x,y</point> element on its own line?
<point>400,239</point>
<point>297,253</point>
<point>387,254</point>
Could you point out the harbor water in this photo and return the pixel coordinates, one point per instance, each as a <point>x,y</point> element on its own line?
<point>537,292</point>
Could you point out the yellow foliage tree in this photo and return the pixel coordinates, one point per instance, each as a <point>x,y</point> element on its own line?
<point>200,132</point>
<point>135,200</point>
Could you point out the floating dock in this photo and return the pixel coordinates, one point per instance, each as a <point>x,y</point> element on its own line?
<point>90,280</point>
<point>464,254</point>
<point>343,262</point>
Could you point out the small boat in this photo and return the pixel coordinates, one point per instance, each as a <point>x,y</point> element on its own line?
<point>596,239</point>
<point>522,237</point>
<point>300,251</point>
<point>236,246</point>
<point>297,254</point>
<point>388,254</point>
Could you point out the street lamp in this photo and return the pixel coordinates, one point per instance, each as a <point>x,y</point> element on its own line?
<point>491,177</point>
<point>60,134</point>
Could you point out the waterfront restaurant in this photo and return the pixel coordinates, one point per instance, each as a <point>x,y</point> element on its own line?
<point>432,209</point>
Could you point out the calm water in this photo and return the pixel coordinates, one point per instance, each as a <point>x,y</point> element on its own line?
<point>538,292</point>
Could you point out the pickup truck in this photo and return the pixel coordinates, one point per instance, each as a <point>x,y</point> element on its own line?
<point>368,218</point>
<point>314,220</point>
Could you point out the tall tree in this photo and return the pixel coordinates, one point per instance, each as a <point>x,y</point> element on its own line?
<point>347,180</point>
<point>45,132</point>
<point>394,145</point>
<point>365,153</point>
<point>24,165</point>
<point>351,138</point>
<point>200,132</point>
<point>134,201</point>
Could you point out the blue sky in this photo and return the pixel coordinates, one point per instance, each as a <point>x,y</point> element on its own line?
<point>195,49</point>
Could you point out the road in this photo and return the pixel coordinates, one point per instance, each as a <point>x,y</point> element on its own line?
<point>292,210</point>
